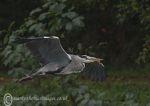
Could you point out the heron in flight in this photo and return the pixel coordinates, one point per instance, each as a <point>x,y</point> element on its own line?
<point>54,60</point>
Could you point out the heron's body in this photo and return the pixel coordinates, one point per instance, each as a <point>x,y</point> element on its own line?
<point>54,60</point>
<point>76,65</point>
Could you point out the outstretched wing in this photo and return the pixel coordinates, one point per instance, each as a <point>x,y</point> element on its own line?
<point>94,71</point>
<point>47,50</point>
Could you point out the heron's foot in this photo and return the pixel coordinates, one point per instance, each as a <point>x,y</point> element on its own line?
<point>27,77</point>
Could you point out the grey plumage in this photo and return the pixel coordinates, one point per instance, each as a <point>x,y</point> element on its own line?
<point>54,60</point>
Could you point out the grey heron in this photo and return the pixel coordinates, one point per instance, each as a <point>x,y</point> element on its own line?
<point>54,60</point>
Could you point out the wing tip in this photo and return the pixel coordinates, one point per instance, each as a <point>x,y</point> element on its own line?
<point>95,72</point>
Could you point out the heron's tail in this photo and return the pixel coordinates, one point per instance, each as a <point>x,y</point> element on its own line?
<point>28,77</point>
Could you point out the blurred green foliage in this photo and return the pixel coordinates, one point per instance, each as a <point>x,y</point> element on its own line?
<point>120,89</point>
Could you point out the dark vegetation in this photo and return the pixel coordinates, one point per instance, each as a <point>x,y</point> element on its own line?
<point>116,30</point>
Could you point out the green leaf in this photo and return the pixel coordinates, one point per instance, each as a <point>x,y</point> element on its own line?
<point>70,15</point>
<point>29,22</point>
<point>37,10</point>
<point>57,8</point>
<point>78,21</point>
<point>32,28</point>
<point>46,5</point>
<point>43,16</point>
<point>69,26</point>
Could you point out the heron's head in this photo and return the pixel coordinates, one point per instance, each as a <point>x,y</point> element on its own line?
<point>89,59</point>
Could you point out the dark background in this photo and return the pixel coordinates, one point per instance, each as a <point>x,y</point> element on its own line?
<point>114,30</point>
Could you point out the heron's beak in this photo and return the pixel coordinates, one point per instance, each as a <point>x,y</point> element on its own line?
<point>92,59</point>
<point>99,60</point>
